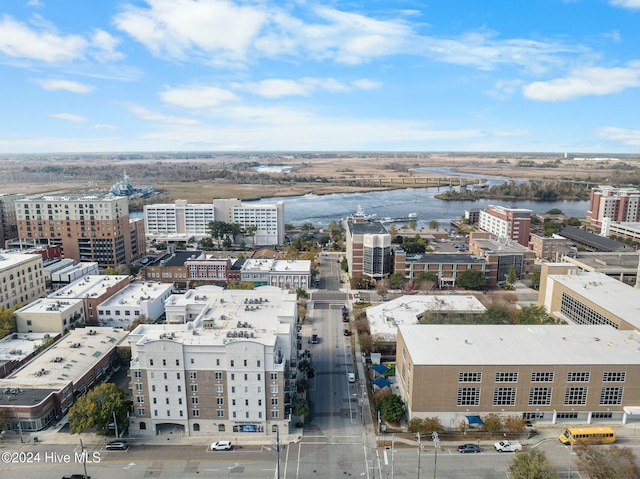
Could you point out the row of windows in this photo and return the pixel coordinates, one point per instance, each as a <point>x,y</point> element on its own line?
<point>540,396</point>
<point>543,377</point>
<point>217,375</point>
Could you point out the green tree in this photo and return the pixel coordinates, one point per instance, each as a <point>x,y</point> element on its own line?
<point>512,276</point>
<point>95,410</point>
<point>535,279</point>
<point>492,423</point>
<point>532,315</point>
<point>110,271</point>
<point>433,225</point>
<point>300,407</point>
<point>612,462</point>
<point>471,279</point>
<point>396,281</point>
<point>7,321</point>
<point>344,264</point>
<point>415,245</point>
<point>427,280</point>
<point>496,314</point>
<point>514,423</point>
<point>391,408</point>
<point>532,464</point>
<point>301,293</point>
<point>549,228</point>
<point>554,211</point>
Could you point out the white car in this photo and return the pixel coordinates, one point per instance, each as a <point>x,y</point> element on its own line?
<point>351,377</point>
<point>221,446</point>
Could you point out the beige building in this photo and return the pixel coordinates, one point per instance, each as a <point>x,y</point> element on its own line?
<point>21,279</point>
<point>47,315</point>
<point>552,373</point>
<point>588,298</point>
<point>368,248</point>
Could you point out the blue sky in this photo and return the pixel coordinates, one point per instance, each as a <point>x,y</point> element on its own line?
<point>445,75</point>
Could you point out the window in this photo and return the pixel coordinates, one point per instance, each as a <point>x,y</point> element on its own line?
<point>219,388</point>
<point>504,396</point>
<point>179,388</point>
<point>465,377</point>
<point>193,375</point>
<point>578,377</point>
<point>233,377</point>
<point>274,376</point>
<point>194,400</point>
<point>140,411</point>
<point>165,375</point>
<point>274,401</point>
<point>259,377</point>
<point>220,412</point>
<point>195,412</point>
<point>567,415</point>
<point>274,389</point>
<point>602,415</point>
<point>138,387</point>
<point>246,376</point>
<point>220,401</point>
<point>539,396</point>
<point>506,377</point>
<point>542,377</point>
<point>274,414</point>
<point>137,374</point>
<point>258,365</point>
<point>218,376</point>
<point>468,396</point>
<point>150,362</point>
<point>245,362</point>
<point>155,401</point>
<point>196,427</point>
<point>164,362</point>
<point>194,388</point>
<point>177,375</point>
<point>231,364</point>
<point>177,362</point>
<point>166,388</point>
<point>166,400</point>
<point>575,396</point>
<point>611,396</point>
<point>140,399</point>
<point>153,388</point>
<point>614,377</point>
<point>217,361</point>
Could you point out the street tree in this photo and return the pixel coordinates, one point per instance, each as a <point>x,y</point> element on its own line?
<point>7,321</point>
<point>492,423</point>
<point>433,225</point>
<point>426,425</point>
<point>532,464</point>
<point>300,407</point>
<point>427,280</point>
<point>512,276</point>
<point>532,315</point>
<point>535,279</point>
<point>396,281</point>
<point>471,279</point>
<point>612,462</point>
<point>96,409</point>
<point>391,408</point>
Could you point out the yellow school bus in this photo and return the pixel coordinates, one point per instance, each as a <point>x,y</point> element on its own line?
<point>588,435</point>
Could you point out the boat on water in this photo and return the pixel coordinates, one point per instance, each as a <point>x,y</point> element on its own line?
<point>125,188</point>
<point>399,219</point>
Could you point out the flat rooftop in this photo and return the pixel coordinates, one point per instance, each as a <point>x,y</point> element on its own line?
<point>66,361</point>
<point>454,258</point>
<point>367,227</point>
<point>17,346</point>
<point>603,262</point>
<point>11,260</point>
<point>134,293</point>
<point>266,265</point>
<point>474,345</point>
<point>500,246</point>
<point>48,305</point>
<point>88,286</point>
<point>385,318</point>
<point>618,298</point>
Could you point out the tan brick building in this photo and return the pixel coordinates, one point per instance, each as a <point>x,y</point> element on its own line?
<point>21,279</point>
<point>549,373</point>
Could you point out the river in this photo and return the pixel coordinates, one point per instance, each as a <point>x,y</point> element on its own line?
<point>321,209</point>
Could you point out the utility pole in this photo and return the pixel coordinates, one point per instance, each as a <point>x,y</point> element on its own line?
<point>278,453</point>
<point>115,423</point>
<point>436,444</point>
<point>84,459</point>
<point>570,454</point>
<point>393,454</point>
<point>419,448</point>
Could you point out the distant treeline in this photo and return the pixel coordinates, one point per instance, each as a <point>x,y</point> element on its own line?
<point>532,190</point>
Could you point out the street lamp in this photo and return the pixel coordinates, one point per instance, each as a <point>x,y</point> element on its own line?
<point>436,444</point>
<point>570,453</point>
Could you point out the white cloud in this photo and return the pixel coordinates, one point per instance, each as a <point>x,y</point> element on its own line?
<point>366,84</point>
<point>66,85</point>
<point>197,96</point>
<point>632,4</point>
<point>621,135</point>
<point>105,45</point>
<point>99,126</point>
<point>585,81</point>
<point>278,88</point>
<point>150,115</point>
<point>47,45</point>
<point>69,117</point>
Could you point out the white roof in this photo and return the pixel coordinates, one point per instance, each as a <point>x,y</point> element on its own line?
<point>88,286</point>
<point>385,318</point>
<point>74,363</point>
<point>134,293</point>
<point>11,260</point>
<point>17,346</point>
<point>520,344</point>
<point>266,265</point>
<point>46,305</point>
<point>618,298</point>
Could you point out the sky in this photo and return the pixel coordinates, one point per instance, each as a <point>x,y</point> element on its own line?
<point>329,75</point>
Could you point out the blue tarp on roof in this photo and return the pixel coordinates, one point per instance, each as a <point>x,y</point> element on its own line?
<point>380,368</point>
<point>381,382</point>
<point>473,420</point>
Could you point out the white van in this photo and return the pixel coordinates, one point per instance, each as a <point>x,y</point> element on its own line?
<point>351,377</point>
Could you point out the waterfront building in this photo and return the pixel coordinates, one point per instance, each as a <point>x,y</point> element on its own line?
<point>446,266</point>
<point>287,274</point>
<point>183,222</point>
<point>21,279</point>
<point>507,223</point>
<point>46,315</point>
<point>222,365</point>
<point>501,255</point>
<point>621,229</point>
<point>93,290</point>
<point>587,297</point>
<point>368,248</point>
<point>87,228</point>
<point>616,204</point>
<point>551,374</point>
<point>46,387</point>
<point>591,241</point>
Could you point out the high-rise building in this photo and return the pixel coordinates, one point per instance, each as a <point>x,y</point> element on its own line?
<point>181,221</point>
<point>617,204</point>
<point>368,248</point>
<point>8,225</point>
<point>21,279</point>
<point>508,223</point>
<point>88,228</point>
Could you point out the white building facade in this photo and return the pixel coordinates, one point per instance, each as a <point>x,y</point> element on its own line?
<point>135,300</point>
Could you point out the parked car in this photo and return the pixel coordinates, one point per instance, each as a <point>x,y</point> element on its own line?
<point>351,377</point>
<point>314,339</point>
<point>117,446</point>
<point>76,476</point>
<point>507,446</point>
<point>346,332</point>
<point>221,446</point>
<point>469,448</point>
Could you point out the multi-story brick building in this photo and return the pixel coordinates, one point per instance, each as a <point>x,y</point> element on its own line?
<point>546,247</point>
<point>88,228</point>
<point>508,223</point>
<point>8,223</point>
<point>551,373</point>
<point>616,204</point>
<point>225,370</point>
<point>446,266</point>
<point>368,248</point>
<point>501,255</point>
<point>21,279</point>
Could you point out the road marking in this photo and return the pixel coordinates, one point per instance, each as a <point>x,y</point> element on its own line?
<point>386,458</point>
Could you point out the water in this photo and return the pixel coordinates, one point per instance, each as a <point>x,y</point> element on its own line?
<point>321,209</point>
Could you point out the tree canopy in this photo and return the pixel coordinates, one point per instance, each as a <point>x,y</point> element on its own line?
<point>471,279</point>
<point>611,462</point>
<point>95,410</point>
<point>300,407</point>
<point>532,464</point>
<point>396,281</point>
<point>391,408</point>
<point>7,321</point>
